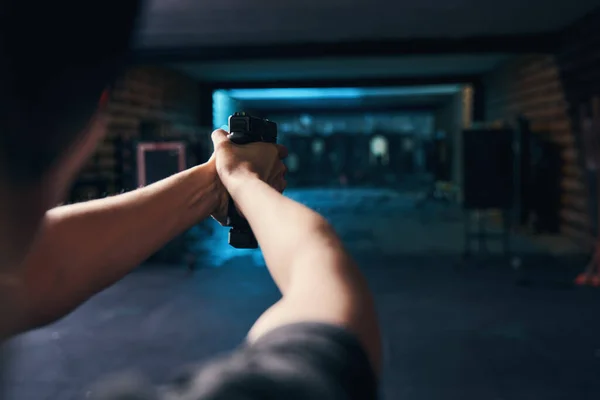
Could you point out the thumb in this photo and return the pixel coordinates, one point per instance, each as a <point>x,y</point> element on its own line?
<point>219,136</point>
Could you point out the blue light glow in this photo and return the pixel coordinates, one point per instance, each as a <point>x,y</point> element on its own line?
<point>338,93</point>
<point>223,107</point>
<point>300,93</point>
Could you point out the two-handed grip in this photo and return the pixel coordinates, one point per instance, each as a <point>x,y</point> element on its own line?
<point>245,129</point>
<point>240,234</point>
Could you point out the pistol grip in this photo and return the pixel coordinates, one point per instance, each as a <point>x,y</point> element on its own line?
<point>240,234</point>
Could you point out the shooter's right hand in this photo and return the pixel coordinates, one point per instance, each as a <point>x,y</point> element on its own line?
<point>237,164</point>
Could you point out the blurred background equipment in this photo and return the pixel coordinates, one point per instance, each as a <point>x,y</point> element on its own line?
<point>157,161</point>
<point>488,169</point>
<point>488,184</point>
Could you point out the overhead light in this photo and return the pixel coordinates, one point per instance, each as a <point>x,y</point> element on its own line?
<point>298,93</point>
<point>412,90</point>
<point>338,93</point>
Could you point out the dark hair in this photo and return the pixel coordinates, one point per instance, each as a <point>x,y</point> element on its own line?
<point>56,58</point>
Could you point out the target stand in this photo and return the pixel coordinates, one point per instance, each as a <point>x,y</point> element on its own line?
<point>489,157</point>
<point>480,233</point>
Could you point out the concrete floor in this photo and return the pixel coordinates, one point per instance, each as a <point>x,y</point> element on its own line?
<point>480,330</point>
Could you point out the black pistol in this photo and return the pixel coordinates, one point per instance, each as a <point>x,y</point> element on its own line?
<point>244,129</point>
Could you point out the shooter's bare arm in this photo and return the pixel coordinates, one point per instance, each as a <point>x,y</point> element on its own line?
<point>84,248</point>
<point>318,279</point>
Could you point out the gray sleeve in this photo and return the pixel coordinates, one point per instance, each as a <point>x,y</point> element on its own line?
<point>302,361</point>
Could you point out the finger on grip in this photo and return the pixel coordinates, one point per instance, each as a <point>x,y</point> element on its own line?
<point>219,136</point>
<point>282,150</point>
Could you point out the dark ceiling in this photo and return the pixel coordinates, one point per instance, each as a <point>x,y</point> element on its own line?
<point>349,43</point>
<point>176,23</point>
<point>340,68</point>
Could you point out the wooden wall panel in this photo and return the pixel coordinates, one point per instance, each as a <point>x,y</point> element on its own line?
<point>579,66</point>
<point>532,86</point>
<point>551,90</point>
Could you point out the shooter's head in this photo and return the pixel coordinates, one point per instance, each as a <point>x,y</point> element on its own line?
<point>57,60</point>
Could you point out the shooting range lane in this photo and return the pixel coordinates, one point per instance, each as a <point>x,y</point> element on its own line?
<point>450,332</point>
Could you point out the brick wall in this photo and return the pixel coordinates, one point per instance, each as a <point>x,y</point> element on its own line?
<point>551,91</point>
<point>531,86</point>
<point>142,94</point>
<point>579,64</point>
